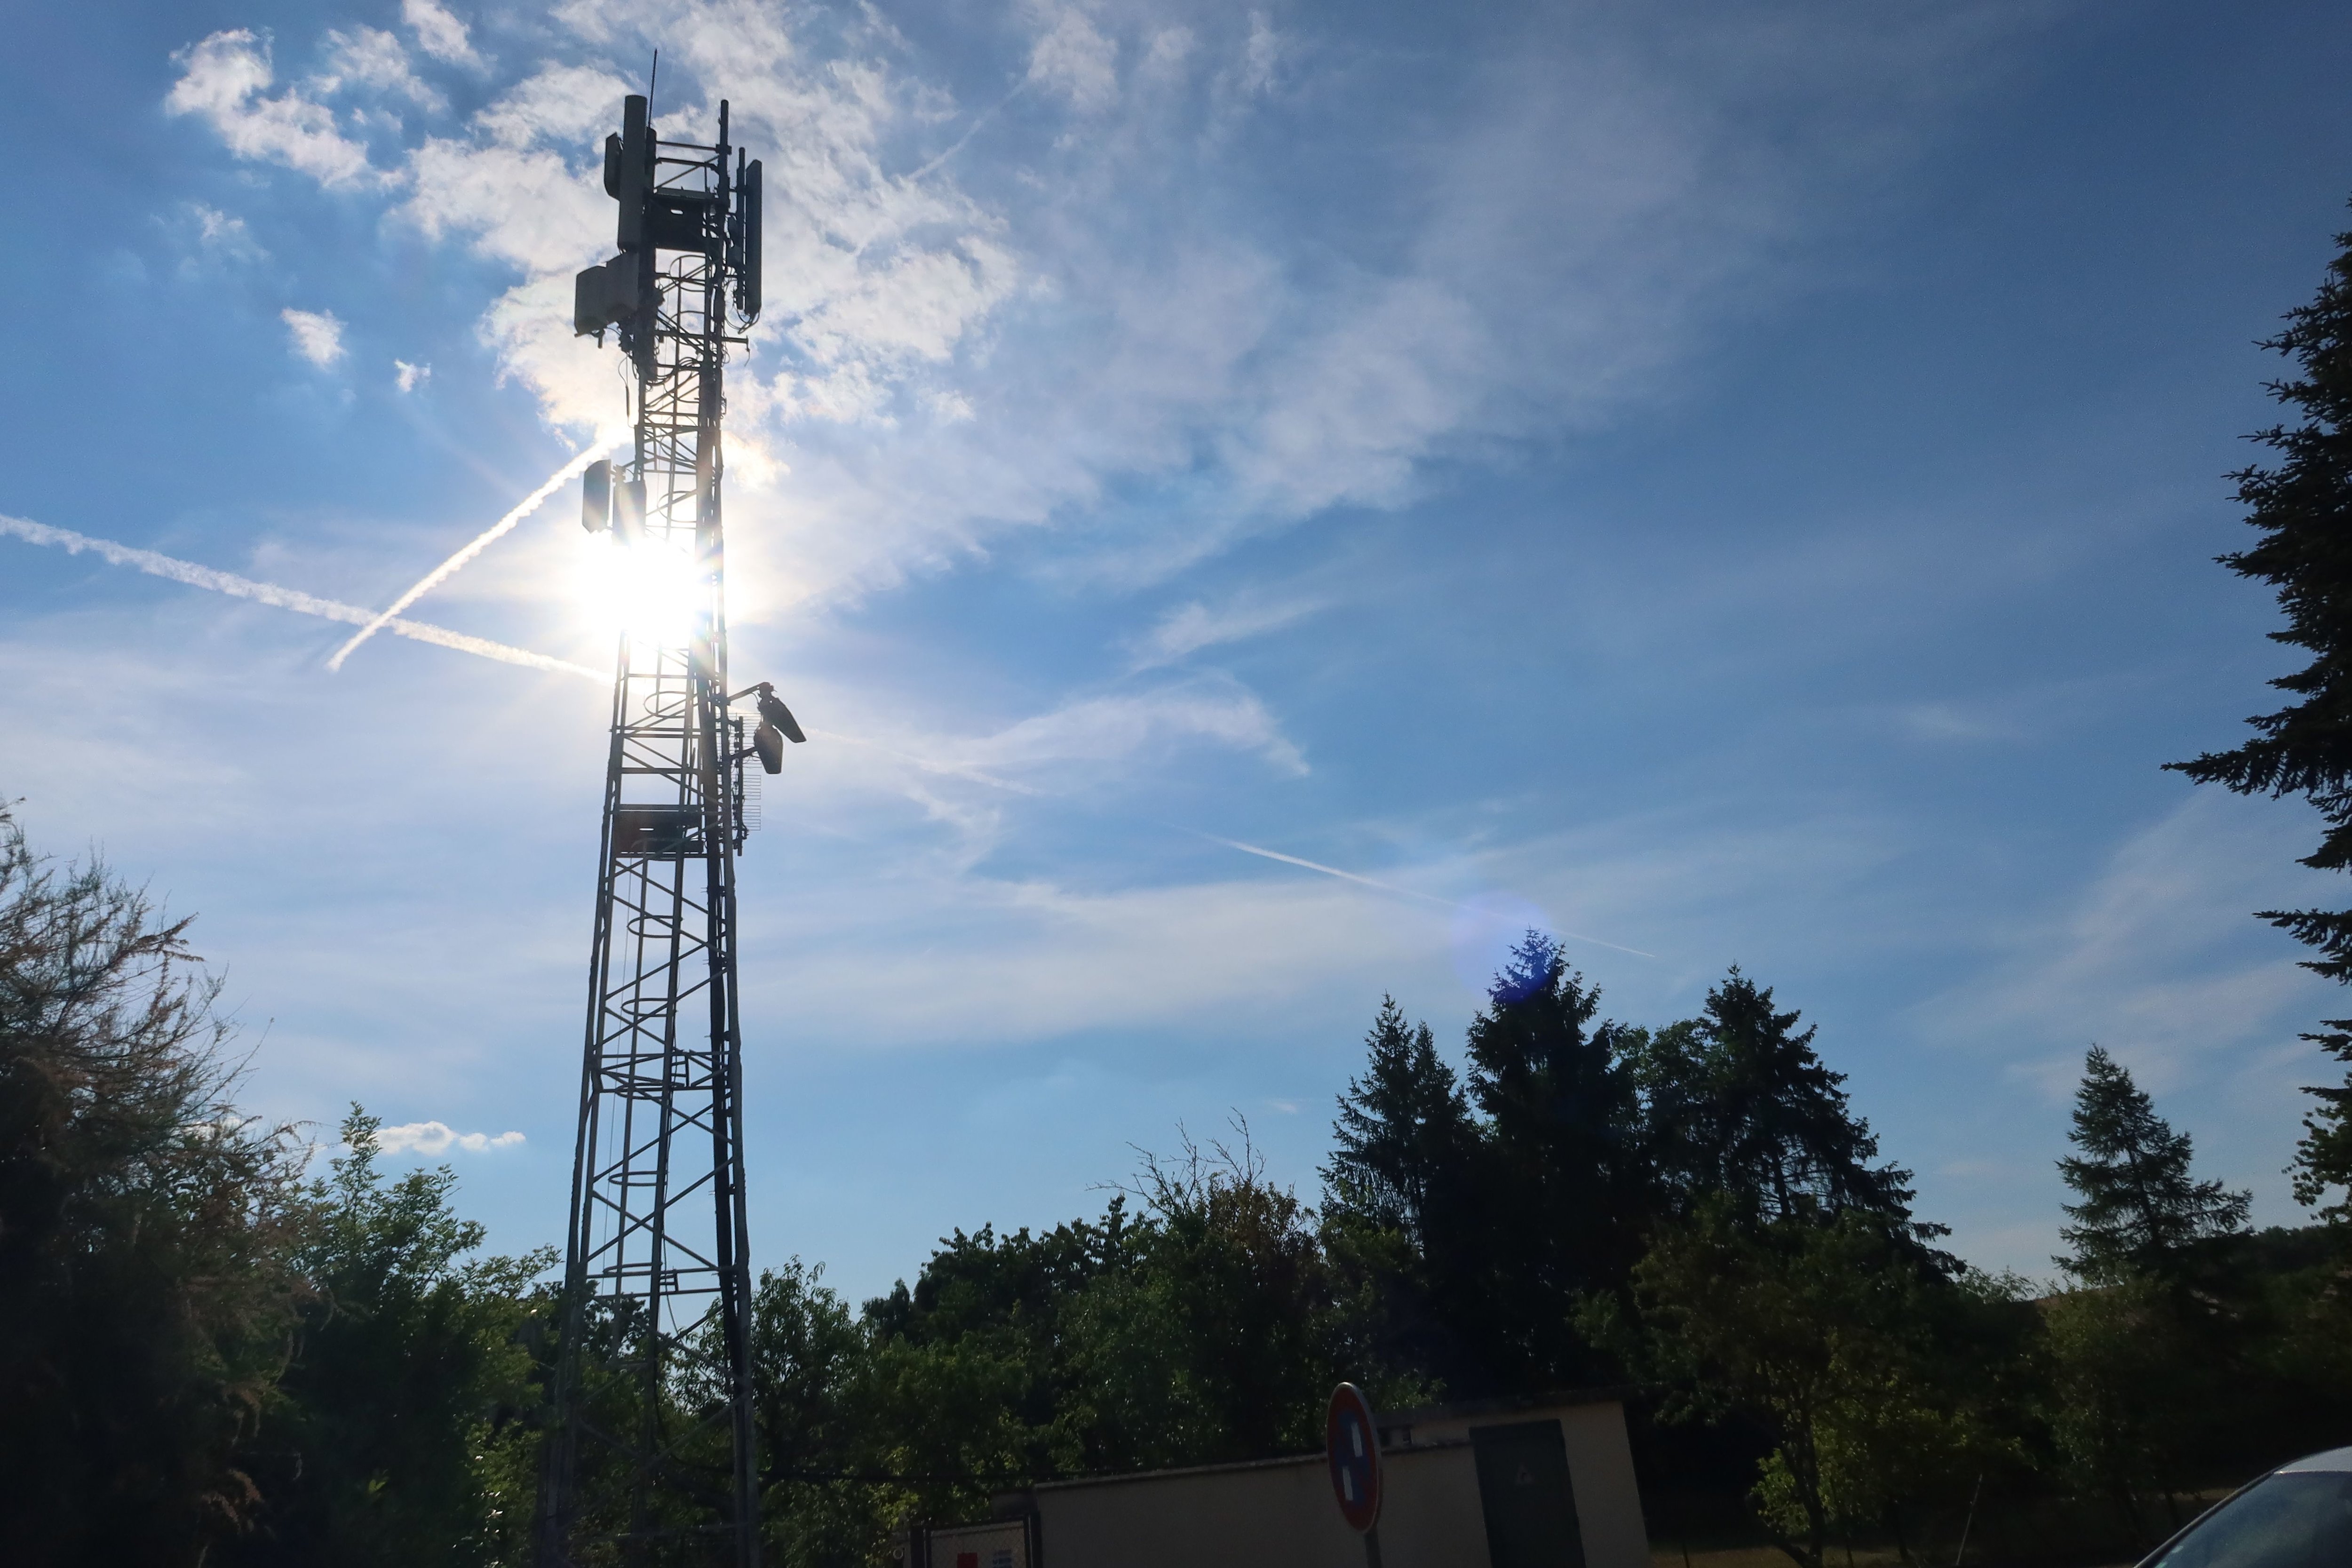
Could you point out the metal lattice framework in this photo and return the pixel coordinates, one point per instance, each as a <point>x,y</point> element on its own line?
<point>651,1456</point>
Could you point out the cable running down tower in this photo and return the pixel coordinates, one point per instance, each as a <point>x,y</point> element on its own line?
<point>650,1459</point>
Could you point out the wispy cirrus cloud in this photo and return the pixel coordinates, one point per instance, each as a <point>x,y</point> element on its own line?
<point>968,353</point>
<point>1122,727</point>
<point>1190,627</point>
<point>2151,957</point>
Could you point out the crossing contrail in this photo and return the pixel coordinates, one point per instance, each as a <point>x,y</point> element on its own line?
<point>196,576</point>
<point>959,769</point>
<point>443,572</point>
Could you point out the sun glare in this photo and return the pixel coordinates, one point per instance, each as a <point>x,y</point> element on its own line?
<point>646,589</point>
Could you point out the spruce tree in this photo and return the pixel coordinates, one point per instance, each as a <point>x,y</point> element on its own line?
<point>1783,1139</point>
<point>2303,509</point>
<point>1404,1132</point>
<point>2140,1210</point>
<point>1566,1186</point>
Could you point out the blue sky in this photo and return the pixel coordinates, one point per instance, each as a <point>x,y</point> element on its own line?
<point>1735,482</point>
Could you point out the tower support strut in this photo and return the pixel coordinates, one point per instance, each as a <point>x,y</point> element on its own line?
<point>649,1458</point>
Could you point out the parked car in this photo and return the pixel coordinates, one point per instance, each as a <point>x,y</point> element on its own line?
<point>2297,1516</point>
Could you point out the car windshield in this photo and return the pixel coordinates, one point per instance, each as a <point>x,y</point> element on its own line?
<point>2295,1520</point>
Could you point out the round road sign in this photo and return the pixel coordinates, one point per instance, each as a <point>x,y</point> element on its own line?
<point>1352,1443</point>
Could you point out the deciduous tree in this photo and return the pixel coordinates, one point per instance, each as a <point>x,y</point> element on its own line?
<point>407,1368</point>
<point>147,1300</point>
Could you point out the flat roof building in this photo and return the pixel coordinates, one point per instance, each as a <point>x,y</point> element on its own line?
<point>1540,1482</point>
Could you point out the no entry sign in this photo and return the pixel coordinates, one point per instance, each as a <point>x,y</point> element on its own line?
<point>1352,1442</point>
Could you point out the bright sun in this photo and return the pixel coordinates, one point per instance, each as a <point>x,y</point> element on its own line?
<point>646,589</point>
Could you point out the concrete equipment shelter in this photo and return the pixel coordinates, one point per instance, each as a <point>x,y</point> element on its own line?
<point>1540,1482</point>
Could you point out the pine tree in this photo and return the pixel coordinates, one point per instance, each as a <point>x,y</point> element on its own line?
<point>2140,1210</point>
<point>2303,508</point>
<point>1404,1132</point>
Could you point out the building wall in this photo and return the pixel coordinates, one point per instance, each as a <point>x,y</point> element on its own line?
<point>1000,1543</point>
<point>1276,1513</point>
<point>1608,1499</point>
<point>1280,1513</point>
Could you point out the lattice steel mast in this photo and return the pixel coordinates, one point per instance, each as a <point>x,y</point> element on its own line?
<point>651,1456</point>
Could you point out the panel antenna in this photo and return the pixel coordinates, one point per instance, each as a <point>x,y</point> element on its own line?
<point>649,1458</point>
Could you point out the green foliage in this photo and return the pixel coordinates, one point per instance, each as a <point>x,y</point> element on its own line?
<point>2303,509</point>
<point>2141,1212</point>
<point>810,1361</point>
<point>2130,1389</point>
<point>146,1293</point>
<point>409,1368</point>
<point>2323,1160</point>
<point>2192,1343</point>
<point>1584,1134</point>
<point>214,1362</point>
<point>1202,1328</point>
<point>1837,1337</point>
<point>1205,1316</point>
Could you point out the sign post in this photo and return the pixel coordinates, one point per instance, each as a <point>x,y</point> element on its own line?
<point>1351,1442</point>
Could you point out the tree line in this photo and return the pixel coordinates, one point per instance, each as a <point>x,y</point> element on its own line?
<point>211,1351</point>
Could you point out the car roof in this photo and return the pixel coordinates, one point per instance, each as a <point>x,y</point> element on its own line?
<point>2334,1460</point>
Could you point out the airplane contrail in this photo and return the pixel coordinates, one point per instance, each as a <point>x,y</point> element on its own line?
<point>195,576</point>
<point>198,576</point>
<point>1391,887</point>
<point>443,572</point>
<point>959,769</point>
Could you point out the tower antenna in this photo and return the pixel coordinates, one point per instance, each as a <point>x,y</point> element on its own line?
<point>650,1454</point>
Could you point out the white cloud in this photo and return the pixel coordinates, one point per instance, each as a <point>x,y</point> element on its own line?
<point>1072,56</point>
<point>438,32</point>
<point>569,106</point>
<point>1955,721</point>
<point>887,277</point>
<point>1118,728</point>
<point>964,961</point>
<point>1262,55</point>
<point>437,1137</point>
<point>371,57</point>
<point>221,236</point>
<point>937,369</point>
<point>317,335</point>
<point>409,377</point>
<point>222,80</point>
<point>1190,627</point>
<point>522,206</point>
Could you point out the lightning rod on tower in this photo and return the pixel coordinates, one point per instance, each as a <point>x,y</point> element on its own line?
<point>649,1458</point>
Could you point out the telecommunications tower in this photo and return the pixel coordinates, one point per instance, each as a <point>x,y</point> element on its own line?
<point>650,1457</point>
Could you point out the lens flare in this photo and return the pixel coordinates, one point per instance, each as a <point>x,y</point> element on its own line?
<point>649,589</point>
